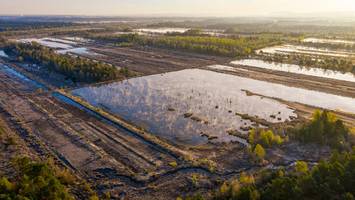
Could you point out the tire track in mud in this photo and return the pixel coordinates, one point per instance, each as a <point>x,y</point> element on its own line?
<point>117,147</point>
<point>133,182</point>
<point>152,145</point>
<point>120,127</point>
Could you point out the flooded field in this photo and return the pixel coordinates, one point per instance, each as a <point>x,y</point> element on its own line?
<point>79,50</point>
<point>328,41</point>
<point>290,49</point>
<point>192,106</point>
<point>295,69</point>
<point>48,43</point>
<point>189,106</point>
<point>63,46</point>
<point>162,30</point>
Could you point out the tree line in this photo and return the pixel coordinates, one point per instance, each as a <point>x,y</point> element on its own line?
<point>230,47</point>
<point>75,68</point>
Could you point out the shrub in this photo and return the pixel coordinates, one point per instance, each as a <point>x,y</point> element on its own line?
<point>259,152</point>
<point>237,190</point>
<point>194,179</point>
<point>35,181</point>
<point>265,137</point>
<point>246,179</point>
<point>301,167</point>
<point>173,164</point>
<point>325,129</point>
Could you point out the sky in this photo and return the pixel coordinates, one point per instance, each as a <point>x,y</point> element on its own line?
<point>218,8</point>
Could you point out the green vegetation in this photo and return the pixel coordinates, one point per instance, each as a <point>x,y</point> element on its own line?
<point>231,47</point>
<point>203,162</point>
<point>75,68</point>
<point>207,45</point>
<point>329,179</point>
<point>333,179</point>
<point>259,152</point>
<point>325,129</point>
<point>173,164</point>
<point>20,25</point>
<point>194,179</point>
<point>34,181</point>
<point>261,139</point>
<point>265,137</point>
<point>301,167</point>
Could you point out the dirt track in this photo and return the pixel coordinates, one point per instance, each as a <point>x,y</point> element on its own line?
<point>147,61</point>
<point>116,160</point>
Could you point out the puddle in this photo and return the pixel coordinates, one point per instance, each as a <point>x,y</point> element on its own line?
<point>295,69</point>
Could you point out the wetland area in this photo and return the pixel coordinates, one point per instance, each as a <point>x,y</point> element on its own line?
<point>143,110</point>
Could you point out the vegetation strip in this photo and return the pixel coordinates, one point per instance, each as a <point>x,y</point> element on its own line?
<point>75,68</point>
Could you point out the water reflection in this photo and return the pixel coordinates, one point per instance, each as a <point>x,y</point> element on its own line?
<point>79,50</point>
<point>14,74</point>
<point>162,30</point>
<point>188,106</point>
<point>296,69</point>
<point>328,41</point>
<point>47,43</point>
<point>291,49</point>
